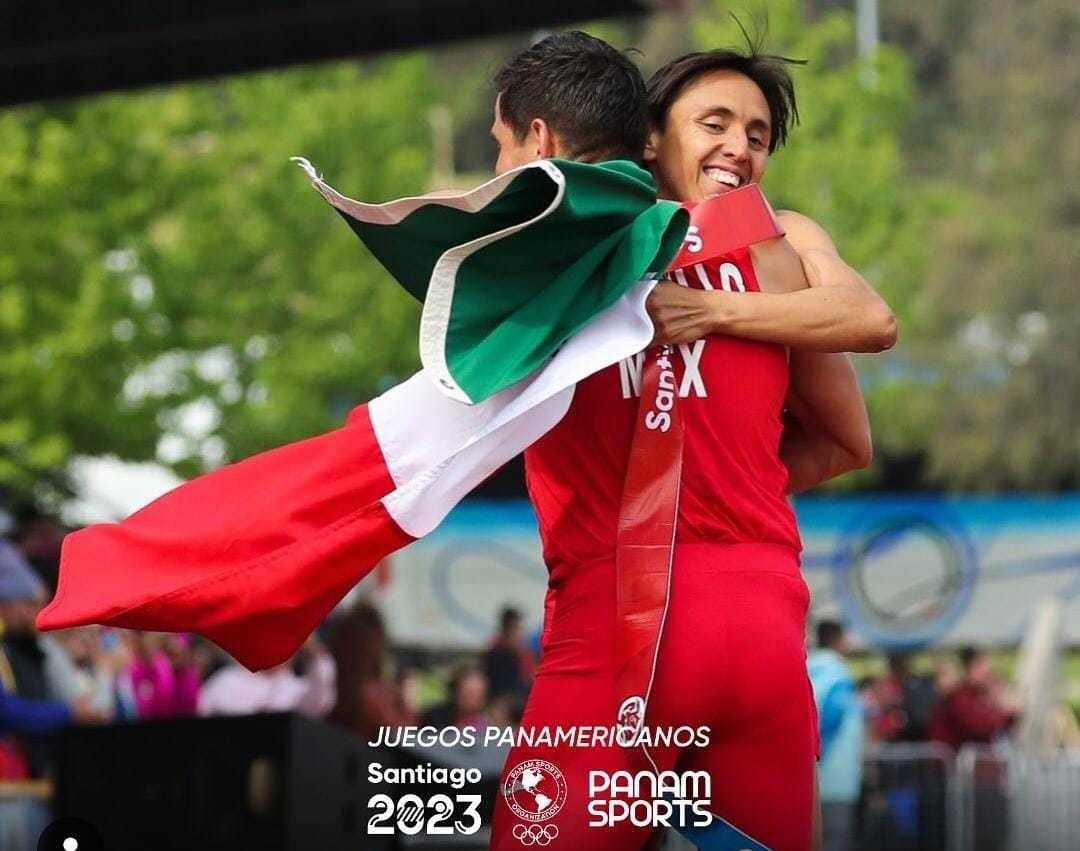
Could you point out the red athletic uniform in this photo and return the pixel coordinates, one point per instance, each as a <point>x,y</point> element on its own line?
<point>732,653</point>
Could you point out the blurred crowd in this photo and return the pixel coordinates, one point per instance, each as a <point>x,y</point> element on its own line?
<point>952,701</point>
<point>346,672</point>
<point>349,673</point>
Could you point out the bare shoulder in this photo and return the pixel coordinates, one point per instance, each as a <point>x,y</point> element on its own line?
<point>804,233</point>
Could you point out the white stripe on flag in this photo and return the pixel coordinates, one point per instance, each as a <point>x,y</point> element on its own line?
<point>438,300</point>
<point>434,472</point>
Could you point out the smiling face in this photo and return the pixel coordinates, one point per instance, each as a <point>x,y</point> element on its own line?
<point>715,139</point>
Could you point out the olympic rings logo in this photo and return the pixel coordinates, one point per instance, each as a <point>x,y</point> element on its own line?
<point>535,834</point>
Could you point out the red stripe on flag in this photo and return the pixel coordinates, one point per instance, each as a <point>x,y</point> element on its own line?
<point>252,555</point>
<point>261,615</point>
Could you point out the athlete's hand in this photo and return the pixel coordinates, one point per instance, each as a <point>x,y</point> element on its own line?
<point>680,314</point>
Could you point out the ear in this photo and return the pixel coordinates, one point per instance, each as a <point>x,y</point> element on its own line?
<point>543,138</point>
<point>651,144</point>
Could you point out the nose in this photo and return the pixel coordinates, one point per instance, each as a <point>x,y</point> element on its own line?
<point>736,146</point>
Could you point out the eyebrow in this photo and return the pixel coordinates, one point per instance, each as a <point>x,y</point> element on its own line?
<point>724,112</point>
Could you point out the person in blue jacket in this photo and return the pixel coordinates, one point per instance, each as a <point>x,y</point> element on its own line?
<point>842,728</point>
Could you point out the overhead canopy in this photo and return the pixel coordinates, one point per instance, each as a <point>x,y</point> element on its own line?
<point>54,49</point>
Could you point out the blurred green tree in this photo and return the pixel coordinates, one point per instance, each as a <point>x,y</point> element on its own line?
<point>845,167</point>
<point>1003,297</point>
<point>171,287</point>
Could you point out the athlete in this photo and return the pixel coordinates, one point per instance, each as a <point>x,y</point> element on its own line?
<point>732,655</point>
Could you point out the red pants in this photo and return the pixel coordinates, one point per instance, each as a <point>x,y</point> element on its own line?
<point>732,657</point>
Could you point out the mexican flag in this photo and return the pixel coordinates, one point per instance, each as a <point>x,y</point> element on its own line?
<point>511,270</point>
<point>256,554</point>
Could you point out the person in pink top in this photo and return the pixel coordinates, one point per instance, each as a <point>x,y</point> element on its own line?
<point>164,677</point>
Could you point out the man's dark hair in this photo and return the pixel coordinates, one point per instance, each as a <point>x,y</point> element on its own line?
<point>590,95</point>
<point>509,617</point>
<point>24,516</point>
<point>768,71</point>
<point>968,656</point>
<point>461,672</point>
<point>828,633</point>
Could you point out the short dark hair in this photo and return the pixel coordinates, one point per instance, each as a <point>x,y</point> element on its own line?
<point>508,617</point>
<point>969,655</point>
<point>461,672</point>
<point>591,95</point>
<point>768,71</point>
<point>828,633</point>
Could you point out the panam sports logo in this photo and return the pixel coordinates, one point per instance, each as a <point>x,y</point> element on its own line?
<point>535,790</point>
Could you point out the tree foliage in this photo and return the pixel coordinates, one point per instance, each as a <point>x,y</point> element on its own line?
<point>1002,299</point>
<point>171,287</point>
<point>845,167</point>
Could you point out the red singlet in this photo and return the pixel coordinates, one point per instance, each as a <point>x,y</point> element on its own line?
<point>732,653</point>
<point>733,486</point>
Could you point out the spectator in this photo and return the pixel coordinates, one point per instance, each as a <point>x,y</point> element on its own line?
<point>407,692</point>
<point>39,536</point>
<point>29,709</point>
<point>366,700</point>
<point>22,818</point>
<point>978,709</point>
<point>946,676</point>
<point>916,698</point>
<point>874,712</point>
<point>163,678</point>
<point>24,662</point>
<point>465,707</point>
<point>117,647</point>
<point>78,666</point>
<point>886,718</point>
<point>29,717</point>
<point>509,663</point>
<point>188,666</point>
<point>506,711</point>
<point>26,717</point>
<point>907,702</point>
<point>234,690</point>
<point>841,723</point>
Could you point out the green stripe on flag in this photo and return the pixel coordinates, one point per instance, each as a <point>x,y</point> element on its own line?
<point>512,269</point>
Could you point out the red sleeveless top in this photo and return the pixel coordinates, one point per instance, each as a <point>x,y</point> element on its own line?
<point>732,393</point>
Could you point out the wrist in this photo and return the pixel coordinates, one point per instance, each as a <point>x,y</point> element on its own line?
<point>723,312</point>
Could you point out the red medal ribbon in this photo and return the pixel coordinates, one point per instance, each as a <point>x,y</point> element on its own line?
<point>648,512</point>
<point>721,225</point>
<point>646,537</point>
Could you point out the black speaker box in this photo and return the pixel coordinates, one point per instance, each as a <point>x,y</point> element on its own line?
<point>268,782</point>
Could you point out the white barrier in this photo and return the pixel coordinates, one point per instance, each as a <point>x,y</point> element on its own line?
<point>917,797</point>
